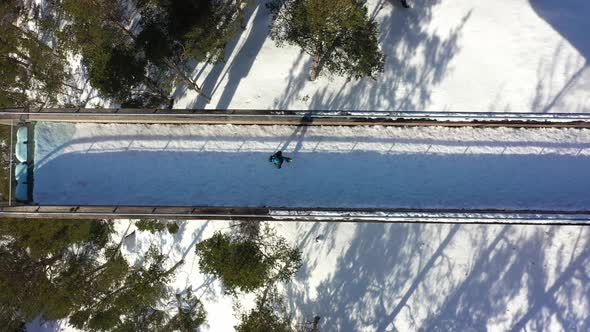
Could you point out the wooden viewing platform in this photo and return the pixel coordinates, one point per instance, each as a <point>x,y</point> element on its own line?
<point>298,118</point>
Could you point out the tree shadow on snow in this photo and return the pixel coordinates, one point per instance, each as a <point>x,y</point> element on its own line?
<point>552,91</point>
<point>416,60</point>
<point>569,18</point>
<point>400,277</point>
<point>380,261</point>
<point>239,66</point>
<point>514,266</point>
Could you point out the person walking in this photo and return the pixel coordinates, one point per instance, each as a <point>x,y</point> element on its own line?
<point>277,159</point>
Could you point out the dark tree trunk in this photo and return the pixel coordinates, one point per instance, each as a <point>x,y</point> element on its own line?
<point>316,67</point>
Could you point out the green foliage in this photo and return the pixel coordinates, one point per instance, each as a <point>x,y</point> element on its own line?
<point>286,260</point>
<point>42,262</point>
<point>249,230</point>
<point>338,34</point>
<point>43,238</point>
<point>240,264</point>
<point>116,66</point>
<point>148,319</point>
<point>31,72</point>
<point>245,264</point>
<point>153,226</point>
<point>190,315</point>
<point>188,29</point>
<point>268,315</point>
<point>172,228</point>
<point>263,319</point>
<point>128,298</point>
<point>116,72</point>
<point>252,260</point>
<point>145,99</point>
<point>137,64</point>
<point>71,268</point>
<point>133,51</point>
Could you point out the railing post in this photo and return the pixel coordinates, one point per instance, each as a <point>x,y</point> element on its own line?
<point>10,165</point>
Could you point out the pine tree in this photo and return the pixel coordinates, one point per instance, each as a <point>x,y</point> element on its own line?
<point>246,264</point>
<point>190,313</point>
<point>117,68</point>
<point>240,265</point>
<point>70,268</point>
<point>269,314</point>
<point>153,226</point>
<point>32,73</point>
<point>182,30</point>
<point>176,32</point>
<point>251,259</point>
<point>39,262</point>
<point>124,296</point>
<point>337,34</point>
<point>134,51</point>
<point>148,57</point>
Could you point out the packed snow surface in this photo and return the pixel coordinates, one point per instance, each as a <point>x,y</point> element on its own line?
<point>406,277</point>
<point>226,165</point>
<point>460,55</point>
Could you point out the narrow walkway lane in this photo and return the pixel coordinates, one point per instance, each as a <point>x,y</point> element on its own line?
<point>354,167</point>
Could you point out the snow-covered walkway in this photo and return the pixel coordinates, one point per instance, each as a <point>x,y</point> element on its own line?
<point>227,165</point>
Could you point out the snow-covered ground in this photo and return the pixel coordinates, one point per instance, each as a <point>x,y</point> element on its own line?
<point>225,165</point>
<point>409,277</point>
<point>460,55</point>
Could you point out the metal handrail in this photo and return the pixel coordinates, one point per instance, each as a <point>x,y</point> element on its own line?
<point>297,113</point>
<point>468,216</point>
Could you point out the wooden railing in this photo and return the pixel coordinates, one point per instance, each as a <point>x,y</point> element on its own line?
<point>300,117</point>
<point>462,216</point>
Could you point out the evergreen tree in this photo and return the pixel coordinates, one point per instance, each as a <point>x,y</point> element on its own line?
<point>190,313</point>
<point>133,51</point>
<point>176,32</point>
<point>116,67</point>
<point>70,268</point>
<point>245,264</point>
<point>182,30</point>
<point>126,296</point>
<point>39,260</point>
<point>45,238</point>
<point>337,34</point>
<point>138,63</point>
<point>269,314</point>
<point>153,226</point>
<point>252,260</point>
<point>240,265</point>
<point>32,73</point>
